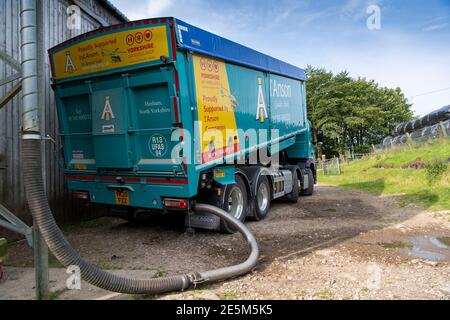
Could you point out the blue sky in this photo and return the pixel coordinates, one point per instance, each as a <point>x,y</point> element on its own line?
<point>411,50</point>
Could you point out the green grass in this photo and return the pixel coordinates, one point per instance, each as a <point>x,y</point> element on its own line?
<point>388,174</point>
<point>324,295</point>
<point>54,295</point>
<point>300,294</point>
<point>229,295</point>
<point>160,273</point>
<point>445,240</point>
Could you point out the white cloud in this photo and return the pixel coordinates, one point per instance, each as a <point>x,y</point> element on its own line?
<point>156,8</point>
<point>434,27</point>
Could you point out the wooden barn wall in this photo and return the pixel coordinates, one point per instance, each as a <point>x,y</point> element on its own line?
<point>55,31</point>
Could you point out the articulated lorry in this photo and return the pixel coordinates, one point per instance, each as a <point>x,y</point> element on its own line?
<point>157,114</point>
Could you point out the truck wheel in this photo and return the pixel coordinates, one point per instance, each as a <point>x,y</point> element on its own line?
<point>235,203</point>
<point>293,196</point>
<point>310,190</point>
<point>262,199</point>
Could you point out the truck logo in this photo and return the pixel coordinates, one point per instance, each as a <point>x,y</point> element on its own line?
<point>139,37</point>
<point>261,110</point>
<point>70,67</point>
<point>130,39</point>
<point>209,65</point>
<point>107,111</point>
<point>148,35</point>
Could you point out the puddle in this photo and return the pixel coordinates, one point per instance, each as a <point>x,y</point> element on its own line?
<point>429,248</point>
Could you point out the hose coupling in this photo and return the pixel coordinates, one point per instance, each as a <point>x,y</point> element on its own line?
<point>196,278</point>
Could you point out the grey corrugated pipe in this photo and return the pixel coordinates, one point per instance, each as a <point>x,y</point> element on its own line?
<point>38,204</point>
<point>40,209</point>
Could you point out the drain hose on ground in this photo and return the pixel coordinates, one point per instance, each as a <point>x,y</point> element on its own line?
<point>63,251</point>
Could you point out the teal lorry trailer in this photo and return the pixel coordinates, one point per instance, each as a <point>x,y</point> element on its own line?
<point>157,114</point>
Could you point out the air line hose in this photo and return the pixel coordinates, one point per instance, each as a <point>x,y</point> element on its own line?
<point>63,251</point>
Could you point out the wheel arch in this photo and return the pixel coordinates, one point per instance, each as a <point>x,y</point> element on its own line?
<point>247,181</point>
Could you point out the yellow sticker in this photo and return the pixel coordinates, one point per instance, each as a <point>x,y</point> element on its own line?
<point>111,51</point>
<point>216,106</point>
<point>80,167</point>
<point>218,174</point>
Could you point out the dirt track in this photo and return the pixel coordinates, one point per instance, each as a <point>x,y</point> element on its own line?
<point>337,244</point>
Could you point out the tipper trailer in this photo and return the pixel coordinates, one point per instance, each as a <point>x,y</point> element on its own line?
<point>157,114</point>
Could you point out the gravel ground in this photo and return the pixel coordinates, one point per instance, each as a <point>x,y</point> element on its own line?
<point>337,244</point>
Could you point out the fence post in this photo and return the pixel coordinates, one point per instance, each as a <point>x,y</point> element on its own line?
<point>443,129</point>
<point>339,165</point>
<point>409,140</point>
<point>40,252</point>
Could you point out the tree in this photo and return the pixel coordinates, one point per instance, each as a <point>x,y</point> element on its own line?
<point>352,113</point>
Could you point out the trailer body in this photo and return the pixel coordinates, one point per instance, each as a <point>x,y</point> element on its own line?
<point>158,110</point>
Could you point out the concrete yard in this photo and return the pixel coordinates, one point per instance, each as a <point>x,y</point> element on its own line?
<point>337,244</point>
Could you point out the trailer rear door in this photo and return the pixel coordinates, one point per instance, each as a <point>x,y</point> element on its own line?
<point>116,98</point>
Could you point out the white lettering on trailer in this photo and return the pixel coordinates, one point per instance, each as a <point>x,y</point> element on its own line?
<point>261,109</point>
<point>280,90</point>
<point>70,66</point>
<point>107,111</point>
<point>152,103</point>
<point>154,111</point>
<point>182,28</point>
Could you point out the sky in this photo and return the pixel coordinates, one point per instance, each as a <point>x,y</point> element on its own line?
<point>409,48</point>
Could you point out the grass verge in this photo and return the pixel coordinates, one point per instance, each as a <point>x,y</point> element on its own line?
<point>419,174</point>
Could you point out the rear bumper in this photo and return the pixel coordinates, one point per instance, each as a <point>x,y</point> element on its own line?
<point>142,192</point>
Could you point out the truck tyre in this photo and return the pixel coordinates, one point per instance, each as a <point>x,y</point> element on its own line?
<point>262,198</point>
<point>235,203</point>
<point>293,196</point>
<point>310,190</point>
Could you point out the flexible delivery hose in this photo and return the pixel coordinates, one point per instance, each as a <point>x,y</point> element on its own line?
<point>63,251</point>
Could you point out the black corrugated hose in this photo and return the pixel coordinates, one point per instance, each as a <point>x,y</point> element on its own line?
<point>63,251</point>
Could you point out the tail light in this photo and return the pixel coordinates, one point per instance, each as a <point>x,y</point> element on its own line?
<point>175,203</point>
<point>82,195</point>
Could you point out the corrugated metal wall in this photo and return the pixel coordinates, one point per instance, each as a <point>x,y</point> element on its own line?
<point>55,31</point>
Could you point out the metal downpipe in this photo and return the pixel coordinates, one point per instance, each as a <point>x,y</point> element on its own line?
<point>28,48</point>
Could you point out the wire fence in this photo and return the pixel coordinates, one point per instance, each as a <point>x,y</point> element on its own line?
<point>408,133</point>
<point>334,166</point>
<point>330,166</point>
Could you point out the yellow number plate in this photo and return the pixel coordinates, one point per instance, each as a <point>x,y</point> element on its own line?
<point>122,198</point>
